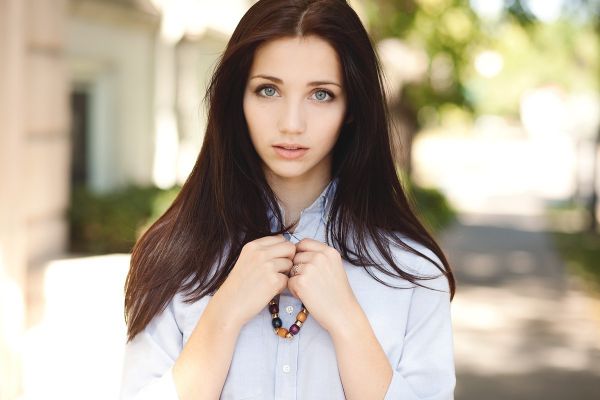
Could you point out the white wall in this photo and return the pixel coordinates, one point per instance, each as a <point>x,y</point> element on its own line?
<point>195,61</point>
<point>115,60</point>
<point>34,162</point>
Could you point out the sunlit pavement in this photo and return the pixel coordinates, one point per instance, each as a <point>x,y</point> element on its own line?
<point>523,329</point>
<point>73,348</point>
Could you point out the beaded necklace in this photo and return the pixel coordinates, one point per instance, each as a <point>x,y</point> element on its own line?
<point>300,317</point>
<point>276,321</point>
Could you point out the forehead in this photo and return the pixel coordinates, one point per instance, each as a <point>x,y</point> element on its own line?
<point>297,58</point>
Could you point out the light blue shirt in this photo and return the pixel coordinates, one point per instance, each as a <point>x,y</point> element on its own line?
<point>412,325</point>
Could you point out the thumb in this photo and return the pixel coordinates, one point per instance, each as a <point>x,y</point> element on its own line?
<point>292,287</point>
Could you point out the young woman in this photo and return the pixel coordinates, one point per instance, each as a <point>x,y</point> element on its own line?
<point>291,266</point>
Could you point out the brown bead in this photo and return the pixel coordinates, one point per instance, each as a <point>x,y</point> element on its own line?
<point>282,332</point>
<point>301,316</point>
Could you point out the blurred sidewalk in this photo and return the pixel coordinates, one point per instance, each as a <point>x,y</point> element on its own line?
<point>523,329</point>
<point>73,347</point>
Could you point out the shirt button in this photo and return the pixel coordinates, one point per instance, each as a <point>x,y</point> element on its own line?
<point>289,309</point>
<point>286,368</point>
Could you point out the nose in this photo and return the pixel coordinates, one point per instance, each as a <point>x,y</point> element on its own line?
<point>292,117</point>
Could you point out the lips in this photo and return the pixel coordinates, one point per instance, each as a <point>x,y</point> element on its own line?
<point>290,151</point>
<point>289,146</point>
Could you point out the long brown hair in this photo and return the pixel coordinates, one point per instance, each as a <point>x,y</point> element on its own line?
<point>224,201</point>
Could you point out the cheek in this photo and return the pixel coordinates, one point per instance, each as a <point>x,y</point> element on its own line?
<point>329,125</point>
<point>331,114</point>
<point>249,113</point>
<point>254,119</point>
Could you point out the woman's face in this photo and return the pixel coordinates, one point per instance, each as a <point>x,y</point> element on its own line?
<point>294,105</point>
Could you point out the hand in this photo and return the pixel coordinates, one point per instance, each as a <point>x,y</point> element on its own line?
<point>260,273</point>
<point>322,284</point>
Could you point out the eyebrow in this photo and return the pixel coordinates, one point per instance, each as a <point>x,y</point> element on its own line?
<point>314,83</point>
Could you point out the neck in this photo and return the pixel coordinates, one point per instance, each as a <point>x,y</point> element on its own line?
<point>296,194</point>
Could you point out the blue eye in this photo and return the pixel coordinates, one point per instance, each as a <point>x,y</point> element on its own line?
<point>269,91</point>
<point>322,94</point>
<point>266,91</point>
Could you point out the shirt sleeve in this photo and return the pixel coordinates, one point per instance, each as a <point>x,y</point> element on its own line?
<point>426,368</point>
<point>149,359</point>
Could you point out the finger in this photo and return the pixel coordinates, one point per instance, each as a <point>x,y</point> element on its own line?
<point>304,258</point>
<point>269,240</point>
<point>282,265</point>
<point>283,249</point>
<point>308,244</point>
<point>264,241</point>
<point>292,288</point>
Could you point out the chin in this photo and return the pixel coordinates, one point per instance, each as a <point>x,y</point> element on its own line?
<point>288,173</point>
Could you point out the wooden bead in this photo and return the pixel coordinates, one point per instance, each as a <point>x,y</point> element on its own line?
<point>301,316</point>
<point>282,332</point>
<point>276,321</point>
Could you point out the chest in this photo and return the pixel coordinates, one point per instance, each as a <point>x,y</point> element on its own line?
<point>265,366</point>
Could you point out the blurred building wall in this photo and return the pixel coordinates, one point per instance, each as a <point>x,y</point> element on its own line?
<point>34,160</point>
<point>194,57</point>
<point>57,52</point>
<point>110,53</point>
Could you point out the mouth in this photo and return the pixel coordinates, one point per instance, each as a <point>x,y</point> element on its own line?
<point>289,146</point>
<point>290,151</point>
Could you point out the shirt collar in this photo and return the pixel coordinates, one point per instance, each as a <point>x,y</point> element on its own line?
<point>321,205</point>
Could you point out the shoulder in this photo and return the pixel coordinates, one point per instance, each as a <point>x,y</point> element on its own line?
<point>417,259</point>
<point>416,263</point>
<point>179,311</point>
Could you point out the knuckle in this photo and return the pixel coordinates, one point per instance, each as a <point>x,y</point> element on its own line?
<point>333,252</point>
<point>274,280</point>
<point>291,248</point>
<point>249,246</point>
<point>282,281</point>
<point>299,282</point>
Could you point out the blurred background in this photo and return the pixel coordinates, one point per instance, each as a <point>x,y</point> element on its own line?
<point>496,111</point>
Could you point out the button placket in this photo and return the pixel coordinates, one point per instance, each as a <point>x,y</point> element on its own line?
<point>287,360</point>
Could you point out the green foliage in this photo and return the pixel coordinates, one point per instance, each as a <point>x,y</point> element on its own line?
<point>112,222</point>
<point>579,248</point>
<point>447,30</point>
<point>562,53</point>
<point>565,52</point>
<point>431,206</point>
<point>581,252</point>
